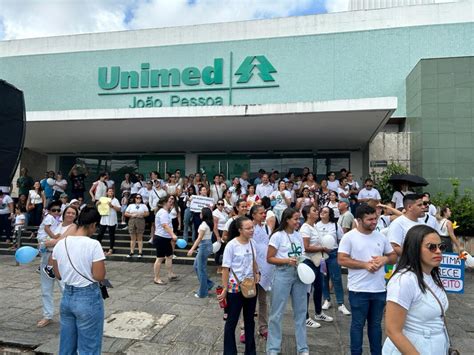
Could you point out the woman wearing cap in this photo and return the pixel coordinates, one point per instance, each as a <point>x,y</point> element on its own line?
<point>137,212</point>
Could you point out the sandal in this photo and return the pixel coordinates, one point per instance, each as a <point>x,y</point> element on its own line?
<point>160,282</point>
<point>43,323</point>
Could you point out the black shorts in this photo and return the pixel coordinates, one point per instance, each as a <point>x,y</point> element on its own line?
<point>163,246</point>
<point>150,218</point>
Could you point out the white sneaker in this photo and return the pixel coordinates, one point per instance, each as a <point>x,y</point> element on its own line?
<point>124,228</point>
<point>326,305</point>
<point>323,317</point>
<point>344,310</point>
<point>312,324</point>
<point>174,256</point>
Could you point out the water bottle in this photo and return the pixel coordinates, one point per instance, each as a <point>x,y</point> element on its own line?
<point>43,248</point>
<point>222,303</point>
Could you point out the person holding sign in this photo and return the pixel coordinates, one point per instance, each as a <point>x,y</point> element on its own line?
<point>108,208</point>
<point>416,299</point>
<point>198,202</point>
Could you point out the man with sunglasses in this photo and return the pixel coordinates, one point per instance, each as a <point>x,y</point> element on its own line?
<point>413,205</point>
<point>428,218</point>
<point>364,252</point>
<point>369,192</point>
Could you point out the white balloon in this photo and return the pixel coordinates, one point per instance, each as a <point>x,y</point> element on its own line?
<point>306,274</point>
<point>328,241</point>
<point>469,260</point>
<point>216,246</point>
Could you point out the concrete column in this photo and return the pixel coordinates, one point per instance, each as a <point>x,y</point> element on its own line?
<point>357,166</point>
<point>191,163</point>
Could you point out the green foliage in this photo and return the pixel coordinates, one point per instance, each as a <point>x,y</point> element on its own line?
<point>462,207</point>
<point>381,180</point>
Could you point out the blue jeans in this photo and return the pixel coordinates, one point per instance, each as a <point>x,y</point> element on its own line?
<point>47,288</point>
<point>334,272</point>
<point>317,288</point>
<point>367,306</point>
<point>82,320</point>
<point>285,284</point>
<point>200,266</point>
<point>188,217</point>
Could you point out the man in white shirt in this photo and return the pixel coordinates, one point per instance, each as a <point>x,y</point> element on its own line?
<point>413,205</point>
<point>265,188</point>
<point>369,192</point>
<point>397,197</point>
<point>364,252</point>
<point>428,218</point>
<point>431,208</point>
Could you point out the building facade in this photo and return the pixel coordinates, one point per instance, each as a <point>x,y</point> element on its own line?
<point>355,89</point>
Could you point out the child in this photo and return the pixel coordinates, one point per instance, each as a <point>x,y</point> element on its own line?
<point>65,202</point>
<point>19,226</point>
<point>45,234</point>
<point>124,204</point>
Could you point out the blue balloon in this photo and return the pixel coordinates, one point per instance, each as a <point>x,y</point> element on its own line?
<point>273,203</point>
<point>181,243</point>
<point>26,254</point>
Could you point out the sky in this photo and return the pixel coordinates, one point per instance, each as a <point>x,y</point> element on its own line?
<point>41,18</point>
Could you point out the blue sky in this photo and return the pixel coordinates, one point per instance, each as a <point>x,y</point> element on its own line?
<point>39,18</point>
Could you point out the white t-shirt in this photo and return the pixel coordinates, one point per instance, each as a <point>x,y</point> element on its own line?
<point>309,231</point>
<point>207,231</point>
<point>332,229</point>
<point>429,220</point>
<point>50,221</point>
<point>238,257</point>
<point>344,191</point>
<point>333,185</point>
<point>60,185</point>
<point>145,194</point>
<point>136,187</point>
<point>264,190</point>
<point>403,289</point>
<point>100,190</point>
<point>162,217</point>
<point>383,222</point>
<point>155,197</point>
<point>369,194</point>
<point>19,221</point>
<point>281,241</point>
<point>5,200</point>
<point>171,188</point>
<point>83,251</point>
<point>398,230</point>
<point>363,247</point>
<point>35,198</point>
<point>280,201</point>
<point>397,198</point>
<point>134,208</point>
<point>217,191</point>
<point>111,219</point>
<point>227,224</point>
<point>222,218</point>
<point>353,185</point>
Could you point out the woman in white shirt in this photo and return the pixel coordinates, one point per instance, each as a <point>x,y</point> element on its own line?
<point>328,225</point>
<point>284,249</point>
<point>333,204</point>
<point>109,221</point>
<point>252,198</point>
<point>239,264</point>
<point>281,198</point>
<point>446,230</point>
<point>136,212</point>
<point>79,263</point>
<point>416,299</point>
<point>60,185</point>
<point>314,252</point>
<point>204,242</point>
<point>172,187</point>
<point>162,241</point>
<point>35,204</point>
<point>220,218</point>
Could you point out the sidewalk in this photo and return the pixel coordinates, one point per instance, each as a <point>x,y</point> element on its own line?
<point>174,321</point>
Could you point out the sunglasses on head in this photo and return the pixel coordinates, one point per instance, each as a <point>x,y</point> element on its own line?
<point>55,210</point>
<point>432,247</point>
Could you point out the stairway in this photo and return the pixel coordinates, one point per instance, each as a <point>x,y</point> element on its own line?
<point>121,249</point>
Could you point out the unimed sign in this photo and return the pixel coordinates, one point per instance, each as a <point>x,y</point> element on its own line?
<point>452,273</point>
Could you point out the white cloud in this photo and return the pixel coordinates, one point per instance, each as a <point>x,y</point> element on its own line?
<point>39,18</point>
<point>337,5</point>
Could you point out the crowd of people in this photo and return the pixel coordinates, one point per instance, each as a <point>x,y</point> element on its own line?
<point>259,231</point>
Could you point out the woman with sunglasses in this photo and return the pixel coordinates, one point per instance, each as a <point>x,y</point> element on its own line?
<point>204,242</point>
<point>285,246</point>
<point>47,238</point>
<point>416,299</point>
<point>172,187</point>
<point>136,212</point>
<point>328,226</point>
<point>228,203</point>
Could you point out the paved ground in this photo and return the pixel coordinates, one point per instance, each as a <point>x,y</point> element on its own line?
<point>175,321</point>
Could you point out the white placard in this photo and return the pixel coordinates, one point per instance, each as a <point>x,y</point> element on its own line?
<point>199,202</point>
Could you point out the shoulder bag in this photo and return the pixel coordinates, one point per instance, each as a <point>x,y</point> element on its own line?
<point>248,286</point>
<point>451,349</point>
<point>102,285</point>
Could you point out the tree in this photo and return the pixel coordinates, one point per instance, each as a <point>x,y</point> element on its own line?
<point>385,188</point>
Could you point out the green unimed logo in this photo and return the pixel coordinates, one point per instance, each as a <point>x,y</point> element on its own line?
<point>147,80</point>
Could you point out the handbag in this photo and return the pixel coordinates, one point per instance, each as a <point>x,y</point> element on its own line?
<point>248,286</point>
<point>102,285</point>
<point>451,349</point>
